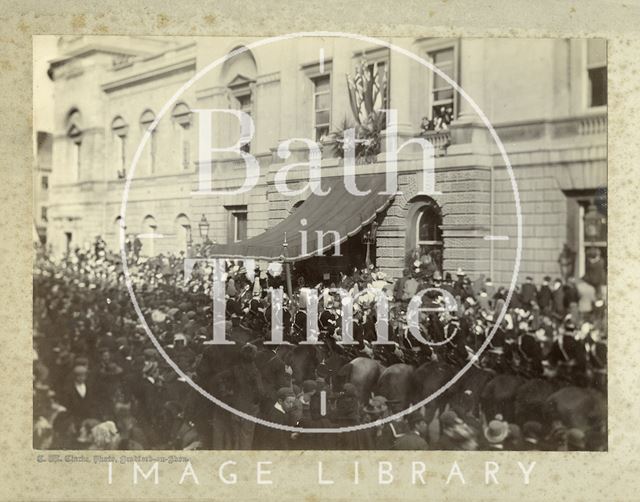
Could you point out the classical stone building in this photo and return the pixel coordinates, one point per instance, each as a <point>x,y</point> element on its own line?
<point>41,175</point>
<point>545,98</point>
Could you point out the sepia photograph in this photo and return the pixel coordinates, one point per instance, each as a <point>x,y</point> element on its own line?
<point>320,241</point>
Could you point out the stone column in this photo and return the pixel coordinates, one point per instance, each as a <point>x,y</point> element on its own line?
<point>471,79</point>
<point>400,94</point>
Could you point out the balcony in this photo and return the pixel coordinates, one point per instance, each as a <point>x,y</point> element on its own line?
<point>441,140</point>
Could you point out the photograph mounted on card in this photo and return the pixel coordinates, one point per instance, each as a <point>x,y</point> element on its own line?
<point>371,244</point>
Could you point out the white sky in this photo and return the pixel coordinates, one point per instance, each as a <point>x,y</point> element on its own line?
<point>45,48</point>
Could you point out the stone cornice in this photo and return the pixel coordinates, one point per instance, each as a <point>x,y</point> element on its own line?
<point>152,74</point>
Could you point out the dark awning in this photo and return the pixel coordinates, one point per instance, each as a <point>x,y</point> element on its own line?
<point>338,211</point>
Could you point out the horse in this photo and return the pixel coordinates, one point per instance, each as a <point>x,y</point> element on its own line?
<point>428,379</point>
<point>499,394</point>
<point>579,407</point>
<point>530,400</point>
<point>395,385</point>
<point>363,373</point>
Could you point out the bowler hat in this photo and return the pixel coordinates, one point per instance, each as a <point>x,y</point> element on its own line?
<point>285,392</point>
<point>377,405</point>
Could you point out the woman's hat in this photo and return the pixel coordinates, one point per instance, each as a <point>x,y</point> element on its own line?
<point>377,405</point>
<point>496,432</point>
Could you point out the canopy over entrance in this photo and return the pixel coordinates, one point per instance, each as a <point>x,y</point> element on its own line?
<point>339,211</point>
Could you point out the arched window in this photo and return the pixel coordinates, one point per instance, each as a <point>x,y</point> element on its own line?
<point>239,74</point>
<point>428,227</point>
<point>118,224</point>
<point>146,120</point>
<point>425,238</point>
<point>183,232</point>
<point>74,133</point>
<point>149,231</point>
<point>119,128</point>
<point>182,117</point>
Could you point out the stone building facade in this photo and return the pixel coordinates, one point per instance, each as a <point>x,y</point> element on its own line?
<point>545,98</point>
<point>41,176</point>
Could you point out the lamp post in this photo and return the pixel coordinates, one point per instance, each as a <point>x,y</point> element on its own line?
<point>203,226</point>
<point>287,266</point>
<point>368,238</point>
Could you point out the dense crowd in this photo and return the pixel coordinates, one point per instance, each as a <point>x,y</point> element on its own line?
<point>99,383</point>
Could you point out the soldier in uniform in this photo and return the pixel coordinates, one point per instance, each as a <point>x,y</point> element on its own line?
<point>454,349</point>
<point>568,355</point>
<point>596,351</point>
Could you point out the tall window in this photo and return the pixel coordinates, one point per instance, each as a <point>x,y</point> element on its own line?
<point>183,232</point>
<point>442,94</point>
<point>428,234</point>
<point>245,105</point>
<point>76,156</point>
<point>321,106</point>
<point>597,72</point>
<point>587,234</point>
<point>237,223</point>
<point>146,120</point>
<point>149,228</point>
<point>239,73</point>
<point>74,133</point>
<point>44,182</point>
<point>119,128</point>
<point>182,122</point>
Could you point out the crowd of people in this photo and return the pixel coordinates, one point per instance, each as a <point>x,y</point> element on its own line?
<point>99,382</point>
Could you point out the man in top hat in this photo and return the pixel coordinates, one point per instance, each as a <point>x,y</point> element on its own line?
<point>309,388</point>
<point>78,396</point>
<point>545,295</point>
<point>528,292</point>
<point>387,434</point>
<point>414,439</point>
<point>568,354</point>
<point>271,438</point>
